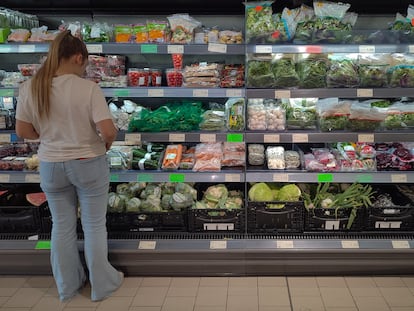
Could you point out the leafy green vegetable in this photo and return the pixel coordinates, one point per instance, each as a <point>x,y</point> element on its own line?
<point>260,192</point>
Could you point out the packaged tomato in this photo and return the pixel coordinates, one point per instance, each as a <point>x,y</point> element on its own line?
<point>156,77</point>
<point>174,77</point>
<point>177,60</point>
<point>138,77</point>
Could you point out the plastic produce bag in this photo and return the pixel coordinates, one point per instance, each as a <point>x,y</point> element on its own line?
<point>343,71</point>
<point>333,114</point>
<point>373,70</point>
<point>284,71</point>
<point>312,69</point>
<point>235,114</point>
<point>300,113</point>
<point>258,19</point>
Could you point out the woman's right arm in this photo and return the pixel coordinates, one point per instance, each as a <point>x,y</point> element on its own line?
<point>108,131</point>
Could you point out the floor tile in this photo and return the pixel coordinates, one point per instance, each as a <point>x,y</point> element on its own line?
<point>243,281</point>
<point>174,291</point>
<point>144,309</point>
<point>273,296</point>
<point>389,281</point>
<point>15,309</point>
<point>302,282</point>
<point>12,281</point>
<point>178,303</point>
<point>157,281</point>
<point>3,300</point>
<point>115,303</point>
<point>271,281</point>
<point>7,292</point>
<point>242,291</point>
<point>365,292</point>
<point>301,303</point>
<point>371,303</point>
<point>242,303</point>
<point>25,297</point>
<point>48,303</point>
<point>342,309</point>
<point>211,296</point>
<point>185,282</point>
<point>360,282</point>
<point>401,309</point>
<point>133,282</point>
<point>336,297</point>
<point>331,281</point>
<point>408,281</point>
<point>209,308</point>
<point>39,281</point>
<point>304,291</point>
<point>214,281</point>
<point>79,309</point>
<point>272,308</point>
<point>398,296</point>
<point>148,297</point>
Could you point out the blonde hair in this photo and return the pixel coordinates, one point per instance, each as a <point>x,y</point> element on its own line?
<point>62,47</point>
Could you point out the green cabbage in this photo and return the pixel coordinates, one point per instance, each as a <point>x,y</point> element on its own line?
<point>260,192</point>
<point>289,193</point>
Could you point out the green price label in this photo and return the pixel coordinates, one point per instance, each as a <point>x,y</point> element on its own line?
<point>42,245</point>
<point>325,177</point>
<point>7,92</point>
<point>364,178</point>
<point>235,138</point>
<point>121,93</point>
<point>145,177</point>
<point>177,177</point>
<point>149,48</point>
<point>114,178</point>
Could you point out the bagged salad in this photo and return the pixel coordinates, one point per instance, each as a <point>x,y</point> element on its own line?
<point>367,115</point>
<point>333,114</point>
<point>182,28</point>
<point>372,70</point>
<point>283,68</point>
<point>401,73</point>
<point>300,113</point>
<point>312,69</point>
<point>259,72</point>
<point>343,71</point>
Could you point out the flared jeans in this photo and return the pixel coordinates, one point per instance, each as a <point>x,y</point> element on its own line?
<point>83,182</point>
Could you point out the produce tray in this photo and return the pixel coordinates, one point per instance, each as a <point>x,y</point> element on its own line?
<point>289,217</point>
<point>19,219</point>
<point>393,218</point>
<point>204,220</point>
<point>321,219</point>
<point>147,221</point>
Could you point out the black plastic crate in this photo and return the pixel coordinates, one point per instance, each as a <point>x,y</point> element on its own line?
<point>211,219</point>
<point>20,219</point>
<point>325,219</point>
<point>274,217</point>
<point>147,221</point>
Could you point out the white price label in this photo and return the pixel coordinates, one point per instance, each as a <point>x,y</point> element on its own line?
<point>271,138</point>
<point>200,93</point>
<point>132,138</point>
<point>178,137</point>
<point>26,48</point>
<point>397,178</point>
<point>367,49</point>
<point>4,178</point>
<point>300,138</point>
<point>232,178</point>
<point>411,48</point>
<point>94,48</point>
<point>350,244</point>
<point>175,49</point>
<point>284,244</point>
<point>365,92</point>
<point>33,238</point>
<point>208,138</point>
<point>147,244</point>
<point>32,178</point>
<point>5,138</point>
<point>234,93</point>
<point>280,177</point>
<point>31,140</point>
<point>218,244</point>
<point>400,244</point>
<point>263,49</point>
<point>282,94</point>
<point>332,224</point>
<point>155,92</point>
<point>366,138</point>
<point>217,47</point>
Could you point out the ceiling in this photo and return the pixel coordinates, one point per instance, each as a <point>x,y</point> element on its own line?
<point>216,7</point>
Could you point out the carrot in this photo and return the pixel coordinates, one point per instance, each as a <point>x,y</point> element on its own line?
<point>172,156</point>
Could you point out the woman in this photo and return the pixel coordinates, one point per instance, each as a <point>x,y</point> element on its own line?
<point>70,117</point>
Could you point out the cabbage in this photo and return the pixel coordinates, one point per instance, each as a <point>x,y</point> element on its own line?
<point>289,193</point>
<point>260,192</point>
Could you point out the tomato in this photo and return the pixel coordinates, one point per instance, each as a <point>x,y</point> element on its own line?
<point>177,61</point>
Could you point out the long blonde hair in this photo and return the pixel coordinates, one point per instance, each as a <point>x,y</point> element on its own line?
<point>62,47</point>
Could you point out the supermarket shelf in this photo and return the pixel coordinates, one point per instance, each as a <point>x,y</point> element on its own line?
<point>173,92</point>
<point>132,48</point>
<point>329,137</point>
<point>227,256</point>
<point>333,92</point>
<point>339,177</point>
<point>177,137</point>
<point>330,48</point>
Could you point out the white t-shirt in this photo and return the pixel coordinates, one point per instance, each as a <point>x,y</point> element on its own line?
<point>69,133</point>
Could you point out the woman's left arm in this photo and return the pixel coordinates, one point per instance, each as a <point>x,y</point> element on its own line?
<point>26,130</point>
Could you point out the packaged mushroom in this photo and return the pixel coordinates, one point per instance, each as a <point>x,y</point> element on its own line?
<point>256,114</point>
<point>256,154</point>
<point>275,157</point>
<point>275,116</point>
<point>292,159</point>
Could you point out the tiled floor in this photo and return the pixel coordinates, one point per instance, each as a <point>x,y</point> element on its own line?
<point>378,293</point>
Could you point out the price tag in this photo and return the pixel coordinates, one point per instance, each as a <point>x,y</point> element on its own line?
<point>155,92</point>
<point>42,245</point>
<point>132,138</point>
<point>200,93</point>
<point>149,49</point>
<point>177,137</point>
<point>208,138</point>
<point>332,224</point>
<point>217,47</point>
<point>94,48</point>
<point>26,48</point>
<point>282,94</point>
<point>7,92</point>
<point>114,178</point>
<point>32,178</point>
<point>366,138</point>
<point>367,49</point>
<point>325,177</point>
<point>350,244</point>
<point>263,49</point>
<point>177,177</point>
<point>364,178</point>
<point>5,48</point>
<point>234,93</point>
<point>271,138</point>
<point>218,244</point>
<point>365,92</point>
<point>33,238</point>
<point>145,177</point>
<point>5,138</point>
<point>121,93</point>
<point>175,49</point>
<point>300,138</point>
<point>232,178</point>
<point>400,244</point>
<point>411,48</point>
<point>280,177</point>
<point>4,178</point>
<point>398,178</point>
<point>284,244</point>
<point>313,49</point>
<point>147,244</point>
<point>235,138</point>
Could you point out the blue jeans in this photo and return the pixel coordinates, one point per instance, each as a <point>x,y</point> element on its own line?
<point>83,181</point>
